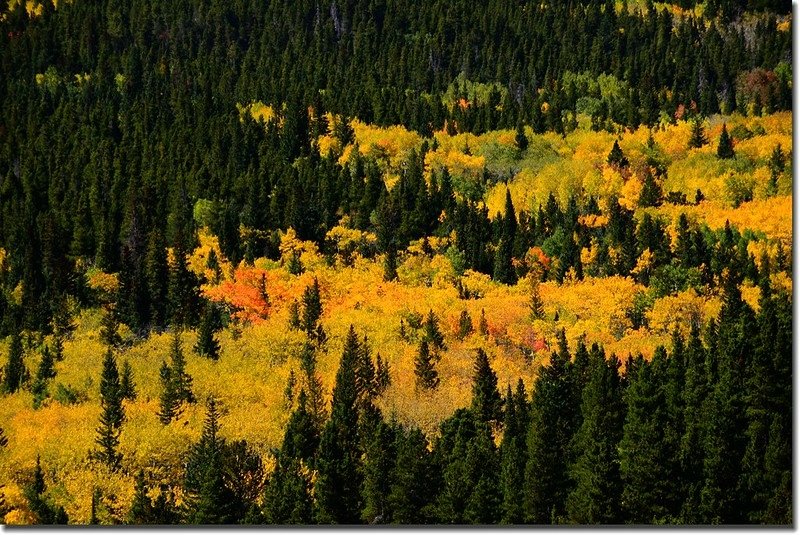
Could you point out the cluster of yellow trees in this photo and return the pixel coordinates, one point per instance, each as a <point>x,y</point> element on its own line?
<point>259,351</point>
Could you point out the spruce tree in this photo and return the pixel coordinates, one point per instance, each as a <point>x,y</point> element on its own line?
<point>431,333</point>
<point>15,369</point>
<point>427,376</point>
<point>412,487</point>
<point>483,325</point>
<point>503,267</point>
<point>487,404</point>
<point>698,136</point>
<point>44,511</point>
<point>141,511</point>
<point>647,467</point>
<point>596,497</point>
<point>464,325</point>
<point>312,308</point>
<point>554,413</point>
<point>109,330</point>
<point>208,498</point>
<point>112,414</point>
<point>383,376</point>
<point>520,139</point>
<point>725,145</point>
<point>339,481</point>
<point>536,304</point>
<point>207,344</point>
<point>616,157</point>
<point>514,454</point>
<point>126,383</point>
<point>44,373</point>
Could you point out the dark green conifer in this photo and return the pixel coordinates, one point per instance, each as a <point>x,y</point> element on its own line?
<point>486,402</point>
<point>464,325</point>
<point>126,383</point>
<point>207,344</point>
<point>312,307</point>
<point>431,333</point>
<point>339,481</point>
<point>520,139</point>
<point>427,376</point>
<point>616,157</point>
<point>725,145</point>
<point>514,454</point>
<point>112,414</point>
<point>698,136</point>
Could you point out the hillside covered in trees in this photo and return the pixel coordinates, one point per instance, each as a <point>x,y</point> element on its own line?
<point>393,262</point>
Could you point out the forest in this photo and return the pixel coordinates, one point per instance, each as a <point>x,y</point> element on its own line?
<point>389,262</point>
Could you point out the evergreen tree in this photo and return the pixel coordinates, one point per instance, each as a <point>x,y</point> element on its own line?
<point>44,373</point>
<point>208,499</point>
<point>427,376</point>
<point>412,482</point>
<point>597,495</point>
<point>503,267</point>
<point>431,333</point>
<point>312,308</point>
<point>646,466</point>
<point>339,481</point>
<point>141,511</point>
<point>464,325</point>
<point>616,157</point>
<point>514,454</point>
<point>725,145</point>
<point>44,511</point>
<point>536,304</point>
<point>127,388</point>
<point>553,423</point>
<point>109,330</point>
<point>207,344</point>
<point>486,402</point>
<point>698,136</point>
<point>520,139</point>
<point>483,326</point>
<point>112,414</point>
<point>383,376</point>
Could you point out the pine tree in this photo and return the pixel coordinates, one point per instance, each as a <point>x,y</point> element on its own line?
<point>431,334</point>
<point>378,462</point>
<point>312,307</point>
<point>698,136</point>
<point>339,481</point>
<point>126,384</point>
<point>207,345</point>
<point>483,325</point>
<point>651,191</point>
<point>141,511</point>
<point>647,467</point>
<point>109,330</point>
<point>44,373</point>
<point>44,511</point>
<point>596,497</point>
<point>503,266</point>
<point>313,385</point>
<point>112,414</point>
<point>520,139</point>
<point>427,376</point>
<point>412,487</point>
<point>464,325</point>
<point>209,499</point>
<point>553,423</point>
<point>514,454</point>
<point>15,369</point>
<point>725,145</point>
<point>294,315</point>
<point>486,402</point>
<point>616,157</point>
<point>383,376</point>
